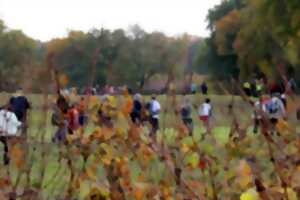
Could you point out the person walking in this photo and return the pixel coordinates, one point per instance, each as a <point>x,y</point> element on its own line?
<point>204,88</point>
<point>20,106</point>
<point>205,114</point>
<point>193,88</point>
<point>60,120</point>
<point>154,115</point>
<point>275,110</point>
<point>73,119</point>
<point>259,111</point>
<point>9,128</point>
<point>136,113</point>
<point>186,115</point>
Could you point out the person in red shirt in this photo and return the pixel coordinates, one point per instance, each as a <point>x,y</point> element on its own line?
<point>73,118</point>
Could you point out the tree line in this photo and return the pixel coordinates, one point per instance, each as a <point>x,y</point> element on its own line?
<point>118,57</point>
<point>249,39</point>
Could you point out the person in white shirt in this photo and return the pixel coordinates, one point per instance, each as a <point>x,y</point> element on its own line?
<point>205,113</point>
<point>9,123</point>
<point>275,110</point>
<point>154,112</point>
<point>9,127</point>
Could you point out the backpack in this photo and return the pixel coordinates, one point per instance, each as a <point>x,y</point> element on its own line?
<point>185,112</point>
<point>55,121</point>
<point>272,107</point>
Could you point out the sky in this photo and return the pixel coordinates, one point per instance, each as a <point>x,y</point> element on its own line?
<point>48,19</point>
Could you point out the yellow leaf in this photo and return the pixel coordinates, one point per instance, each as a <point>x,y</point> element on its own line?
<point>107,133</point>
<point>192,160</point>
<point>244,175</point>
<point>185,148</point>
<point>91,172</point>
<point>244,181</point>
<point>244,169</point>
<point>85,140</point>
<point>251,194</point>
<point>128,105</point>
<point>292,194</point>
<point>93,102</point>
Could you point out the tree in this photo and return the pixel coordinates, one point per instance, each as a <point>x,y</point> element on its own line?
<point>18,53</point>
<point>216,53</point>
<point>130,58</point>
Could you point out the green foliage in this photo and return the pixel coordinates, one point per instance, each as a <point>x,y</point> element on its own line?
<point>221,67</point>
<point>259,33</point>
<point>221,10</point>
<point>18,53</point>
<point>107,57</point>
<point>216,53</point>
<point>124,57</point>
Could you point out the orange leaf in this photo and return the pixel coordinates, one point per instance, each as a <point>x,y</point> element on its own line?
<point>139,194</point>
<point>17,155</point>
<point>63,80</point>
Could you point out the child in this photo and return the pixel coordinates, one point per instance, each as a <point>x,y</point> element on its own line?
<point>205,113</point>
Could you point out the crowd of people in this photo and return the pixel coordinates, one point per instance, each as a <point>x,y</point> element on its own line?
<point>71,115</point>
<point>68,118</point>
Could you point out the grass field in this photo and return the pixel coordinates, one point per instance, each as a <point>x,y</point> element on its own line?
<point>57,173</point>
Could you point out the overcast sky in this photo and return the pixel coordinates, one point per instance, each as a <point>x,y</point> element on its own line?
<point>46,19</point>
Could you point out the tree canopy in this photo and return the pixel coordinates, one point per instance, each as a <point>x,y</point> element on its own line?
<point>251,36</point>
<point>123,57</point>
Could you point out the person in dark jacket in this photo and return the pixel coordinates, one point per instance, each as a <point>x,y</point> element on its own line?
<point>60,120</point>
<point>186,115</point>
<point>20,106</point>
<point>204,88</point>
<point>137,109</point>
